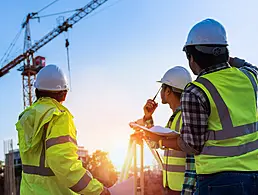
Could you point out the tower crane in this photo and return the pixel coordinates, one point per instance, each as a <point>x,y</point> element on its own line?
<point>32,65</point>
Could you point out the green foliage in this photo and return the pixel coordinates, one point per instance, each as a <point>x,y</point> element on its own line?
<point>101,168</point>
<point>1,167</point>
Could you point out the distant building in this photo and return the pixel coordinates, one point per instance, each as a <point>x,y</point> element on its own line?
<point>16,158</point>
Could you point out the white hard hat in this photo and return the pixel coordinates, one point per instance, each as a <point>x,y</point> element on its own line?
<point>207,32</point>
<point>177,77</point>
<point>51,78</point>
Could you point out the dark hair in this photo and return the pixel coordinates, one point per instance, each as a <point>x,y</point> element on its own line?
<point>206,60</point>
<point>177,92</point>
<point>58,96</point>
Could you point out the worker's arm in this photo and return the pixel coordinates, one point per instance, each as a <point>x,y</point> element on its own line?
<point>240,63</point>
<point>167,142</point>
<point>171,143</point>
<point>195,113</point>
<point>62,158</point>
<point>149,109</point>
<point>147,119</point>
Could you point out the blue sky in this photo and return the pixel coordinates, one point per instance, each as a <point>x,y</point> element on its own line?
<point>117,54</point>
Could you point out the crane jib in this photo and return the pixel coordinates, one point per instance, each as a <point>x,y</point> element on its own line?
<point>91,6</point>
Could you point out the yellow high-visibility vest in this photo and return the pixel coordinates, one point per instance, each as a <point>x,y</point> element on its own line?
<point>232,138</point>
<point>174,161</point>
<point>48,150</point>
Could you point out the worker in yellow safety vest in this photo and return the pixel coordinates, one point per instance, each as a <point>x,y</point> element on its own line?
<point>219,112</point>
<point>174,167</point>
<point>47,143</point>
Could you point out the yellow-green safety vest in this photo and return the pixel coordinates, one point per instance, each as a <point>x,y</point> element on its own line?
<point>232,137</point>
<point>174,161</point>
<point>48,149</point>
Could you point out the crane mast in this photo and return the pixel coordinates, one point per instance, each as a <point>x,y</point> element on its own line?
<point>32,65</point>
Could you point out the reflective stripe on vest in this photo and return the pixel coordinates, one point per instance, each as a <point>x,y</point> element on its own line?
<point>41,169</point>
<point>174,153</point>
<point>46,171</point>
<point>178,123</point>
<point>82,183</point>
<point>228,130</point>
<point>174,161</point>
<point>174,168</point>
<point>252,79</point>
<point>59,140</point>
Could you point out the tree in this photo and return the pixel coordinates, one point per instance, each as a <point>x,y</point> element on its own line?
<point>153,182</point>
<point>101,168</point>
<point>1,167</point>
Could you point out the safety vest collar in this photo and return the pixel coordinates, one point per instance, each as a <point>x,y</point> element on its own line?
<point>176,116</point>
<point>58,105</point>
<point>213,68</point>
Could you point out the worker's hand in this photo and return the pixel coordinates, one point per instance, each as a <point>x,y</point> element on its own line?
<point>134,127</point>
<point>153,137</point>
<point>236,62</point>
<point>105,191</point>
<point>152,144</point>
<point>231,61</point>
<point>149,108</point>
<point>140,122</point>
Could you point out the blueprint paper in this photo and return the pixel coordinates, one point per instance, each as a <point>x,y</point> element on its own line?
<point>158,130</point>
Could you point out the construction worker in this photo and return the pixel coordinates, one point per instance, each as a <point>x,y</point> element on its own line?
<point>47,143</point>
<point>219,112</point>
<point>174,167</point>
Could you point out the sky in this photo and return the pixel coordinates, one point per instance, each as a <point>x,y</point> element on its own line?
<point>117,54</point>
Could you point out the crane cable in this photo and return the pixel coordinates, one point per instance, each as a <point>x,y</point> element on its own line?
<point>68,62</point>
<point>75,10</point>
<point>54,14</point>
<point>46,6</point>
<point>10,48</point>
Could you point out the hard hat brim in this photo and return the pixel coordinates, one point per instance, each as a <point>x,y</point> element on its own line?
<point>196,44</point>
<point>164,83</point>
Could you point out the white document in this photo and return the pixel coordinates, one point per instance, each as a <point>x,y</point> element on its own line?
<point>124,188</point>
<point>158,130</point>
<point>164,131</point>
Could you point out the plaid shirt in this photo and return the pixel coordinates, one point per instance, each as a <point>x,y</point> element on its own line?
<point>196,110</point>
<point>189,185</point>
<point>195,113</point>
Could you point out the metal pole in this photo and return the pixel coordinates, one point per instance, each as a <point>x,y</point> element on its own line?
<point>156,155</point>
<point>128,162</point>
<point>142,168</point>
<point>135,168</point>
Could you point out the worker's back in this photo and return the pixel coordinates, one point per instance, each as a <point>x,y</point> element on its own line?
<point>232,143</point>
<point>37,177</point>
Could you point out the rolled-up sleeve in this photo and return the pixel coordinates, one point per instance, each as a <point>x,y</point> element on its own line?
<point>195,113</point>
<point>242,64</point>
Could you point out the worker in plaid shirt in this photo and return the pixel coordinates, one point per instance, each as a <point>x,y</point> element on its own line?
<point>219,111</point>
